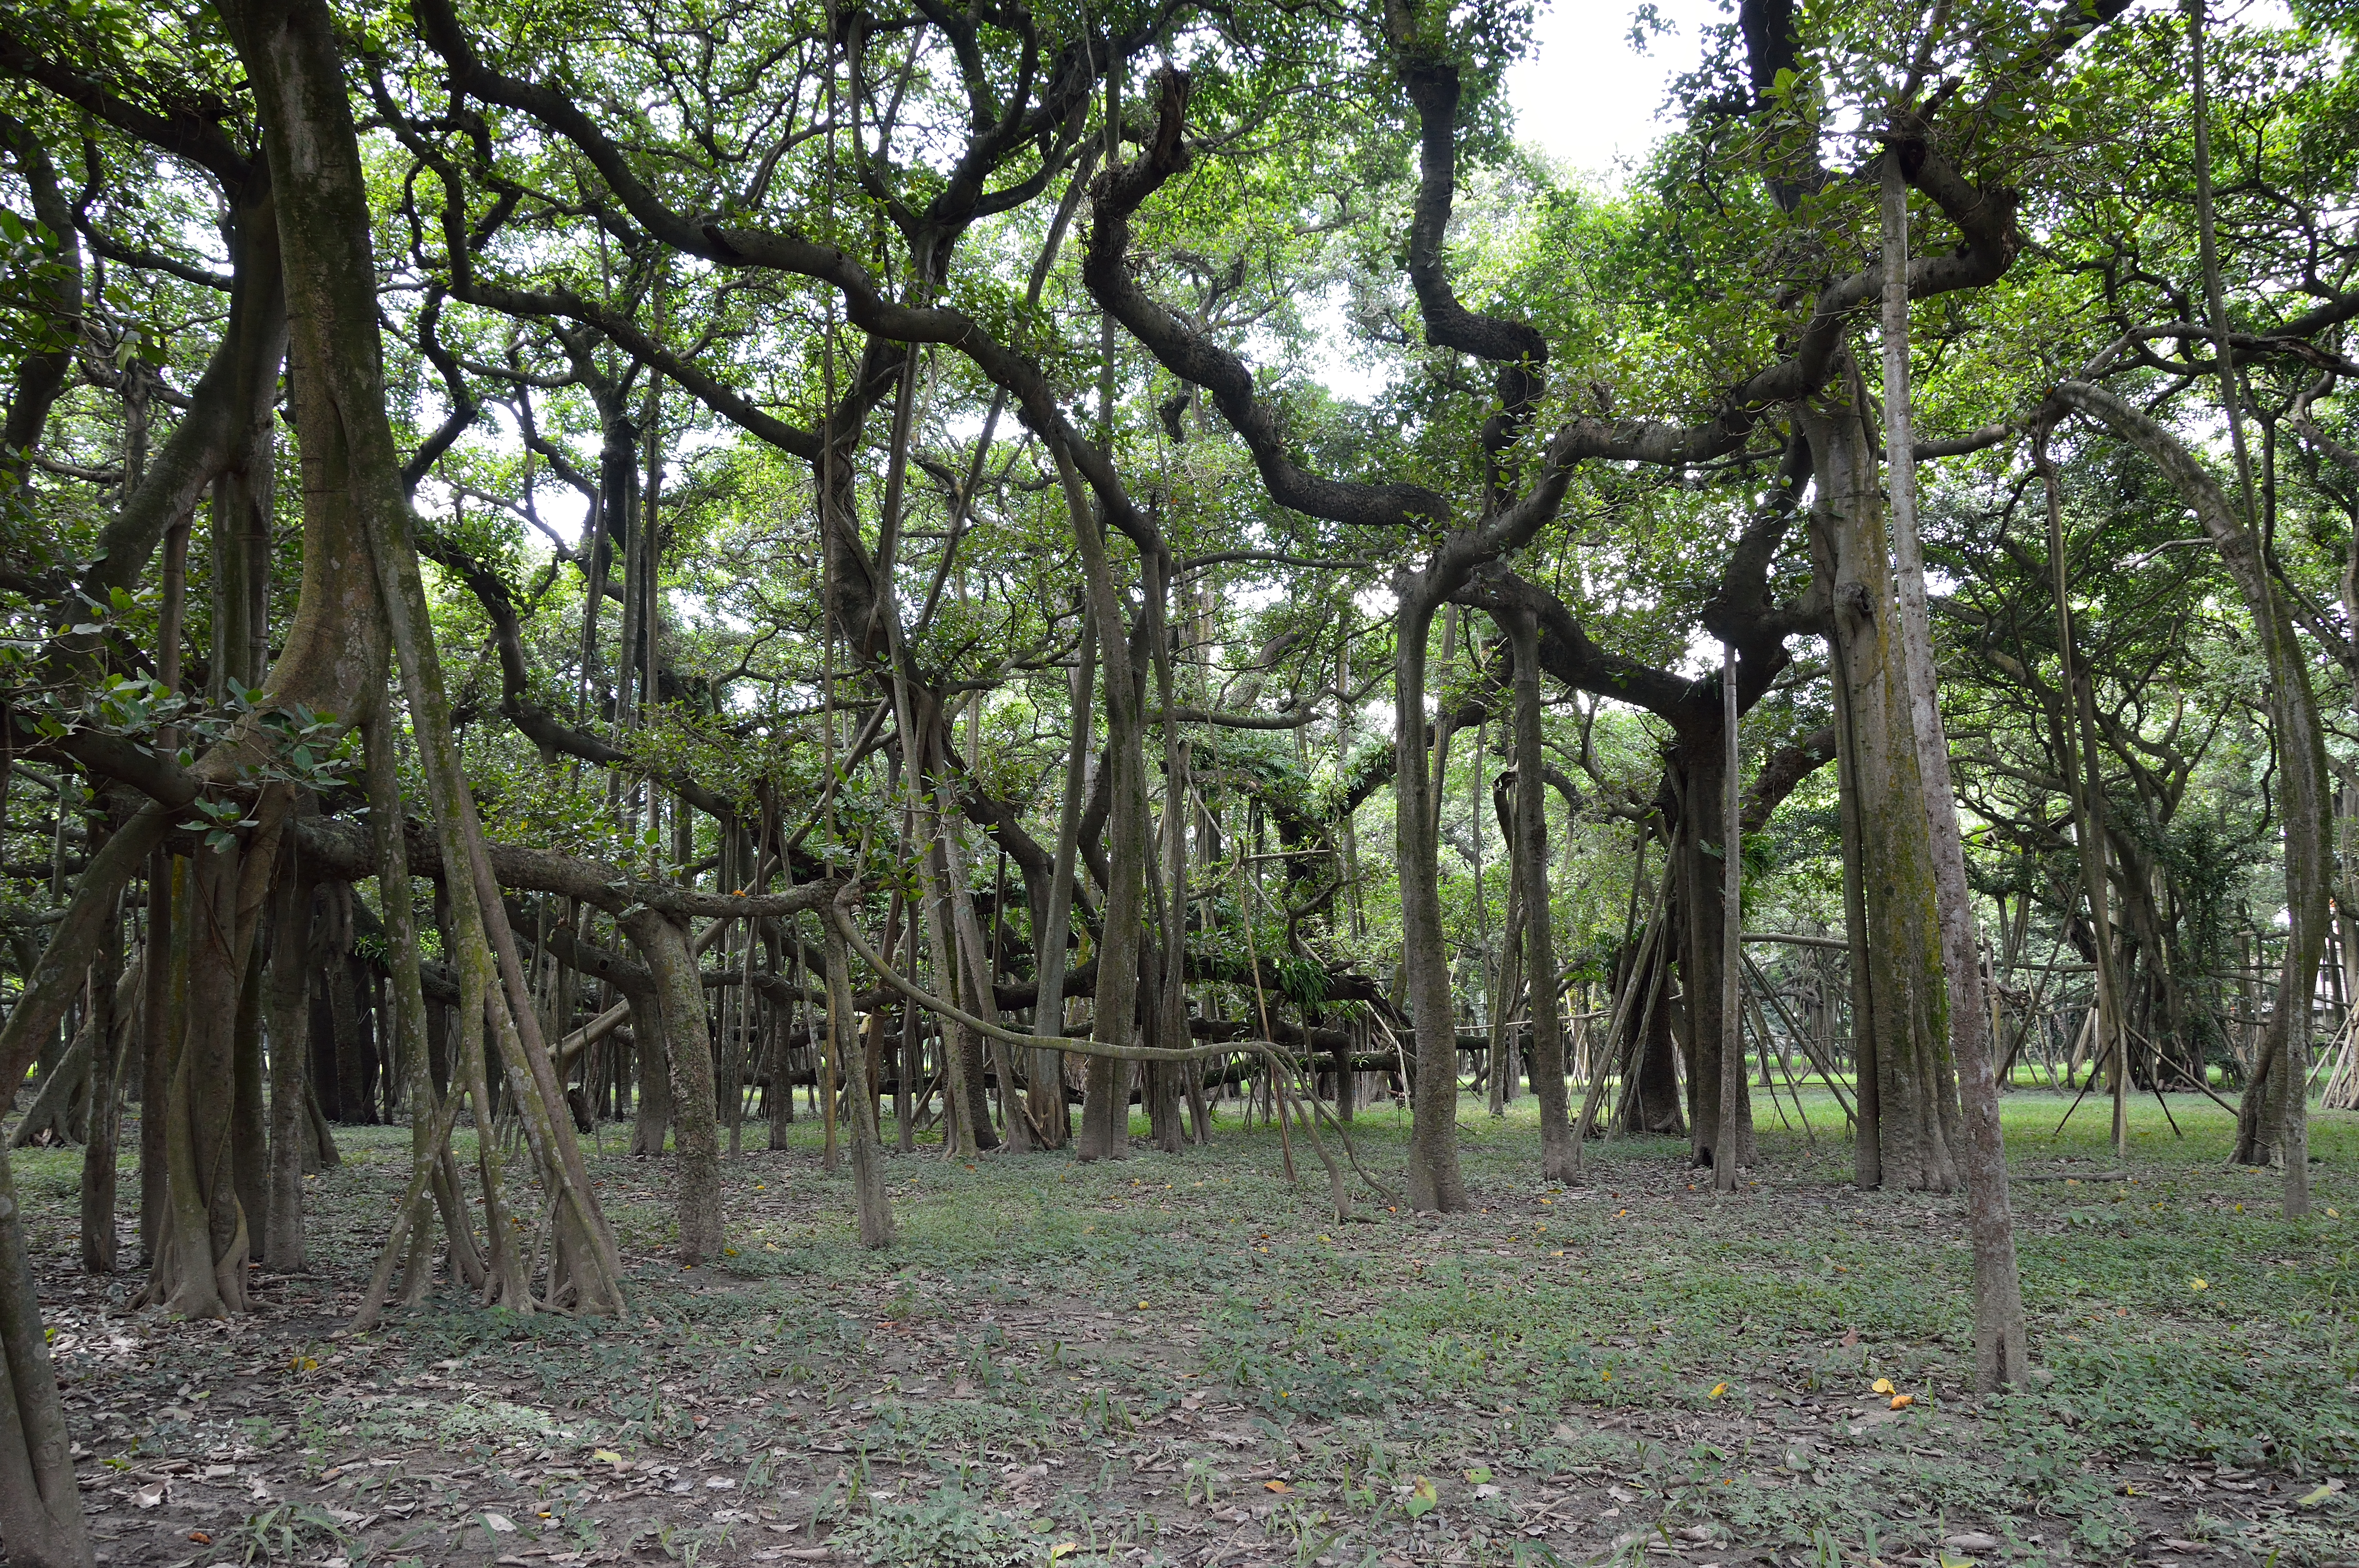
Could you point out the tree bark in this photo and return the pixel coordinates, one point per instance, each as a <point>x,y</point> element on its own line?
<point>163,979</point>
<point>1732,1133</point>
<point>1559,1159</point>
<point>651,1116</point>
<point>2002,1355</point>
<point>678,1000</point>
<point>876,1212</point>
<point>1899,1016</point>
<point>106,1000</point>
<point>1105,1106</point>
<point>199,1270</point>
<point>1046,1086</point>
<point>288,1007</point>
<point>1435,1183</point>
<point>40,1504</point>
<point>249,1115</point>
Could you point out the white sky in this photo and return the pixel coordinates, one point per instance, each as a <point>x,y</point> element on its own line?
<point>1584,95</point>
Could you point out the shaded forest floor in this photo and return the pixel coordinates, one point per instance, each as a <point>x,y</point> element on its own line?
<point>1184,1360</point>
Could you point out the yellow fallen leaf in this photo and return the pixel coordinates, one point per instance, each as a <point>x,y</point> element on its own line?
<point>1902,1401</point>
<point>1717,1389</point>
<point>2198,1285</point>
<point>1275,1487</point>
<point>1882,1386</point>
<point>1063,1549</point>
<point>606,1456</point>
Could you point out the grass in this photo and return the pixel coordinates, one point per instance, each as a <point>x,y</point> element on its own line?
<point>1186,1359</point>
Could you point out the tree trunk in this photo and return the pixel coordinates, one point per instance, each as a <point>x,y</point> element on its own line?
<point>199,1269</point>
<point>107,1005</point>
<point>249,1115</point>
<point>2002,1355</point>
<point>651,1118</point>
<point>1435,1183</point>
<point>1105,1106</point>
<point>1699,766</point>
<point>40,1503</point>
<point>1505,978</point>
<point>678,1003</point>
<point>288,1010</point>
<point>1559,1160</point>
<point>975,965</point>
<point>876,1212</point>
<point>1650,1100</point>
<point>1901,1016</point>
<point>161,1008</point>
<point>1049,1111</point>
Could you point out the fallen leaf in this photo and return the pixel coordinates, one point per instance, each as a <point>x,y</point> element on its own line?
<point>2198,1285</point>
<point>1063,1549</point>
<point>1902,1401</point>
<point>148,1495</point>
<point>1717,1389</point>
<point>607,1456</point>
<point>2318,1495</point>
<point>1971,1540</point>
<point>200,1538</point>
<point>1275,1487</point>
<point>1882,1386</point>
<point>1422,1498</point>
<point>499,1524</point>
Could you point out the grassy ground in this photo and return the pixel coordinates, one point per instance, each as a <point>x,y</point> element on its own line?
<point>1185,1359</point>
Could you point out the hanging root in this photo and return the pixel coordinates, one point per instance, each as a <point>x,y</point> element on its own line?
<point>1283,1068</point>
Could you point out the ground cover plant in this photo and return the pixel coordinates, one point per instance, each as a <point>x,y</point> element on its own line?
<point>972,781</point>
<point>1185,1359</point>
